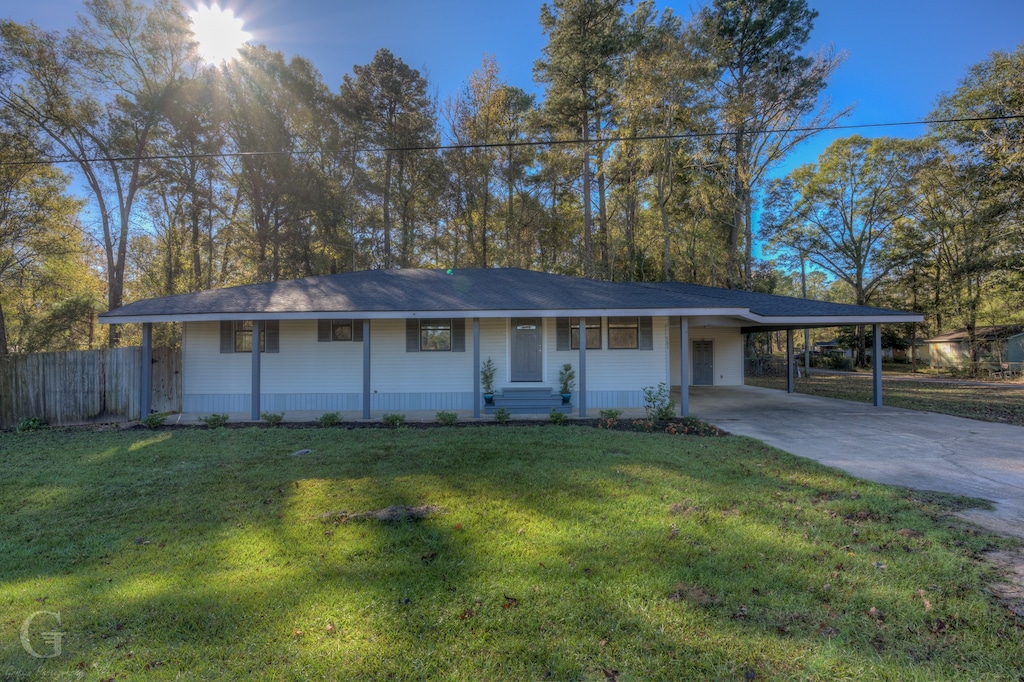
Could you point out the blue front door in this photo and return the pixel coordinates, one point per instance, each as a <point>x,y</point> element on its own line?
<point>527,349</point>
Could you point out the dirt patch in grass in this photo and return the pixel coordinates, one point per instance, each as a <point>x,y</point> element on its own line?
<point>1009,589</point>
<point>393,514</point>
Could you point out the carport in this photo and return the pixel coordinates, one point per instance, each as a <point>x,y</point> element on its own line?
<point>920,450</point>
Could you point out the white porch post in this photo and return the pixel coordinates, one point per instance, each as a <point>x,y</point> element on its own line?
<point>876,365</point>
<point>146,373</point>
<point>254,413</point>
<point>476,367</point>
<point>366,369</point>
<point>790,364</point>
<point>684,367</point>
<point>583,367</point>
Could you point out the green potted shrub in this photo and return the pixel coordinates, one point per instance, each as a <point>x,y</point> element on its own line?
<point>566,382</point>
<point>487,370</point>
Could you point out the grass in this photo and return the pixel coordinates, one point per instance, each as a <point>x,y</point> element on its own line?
<point>564,553</point>
<point>988,403</point>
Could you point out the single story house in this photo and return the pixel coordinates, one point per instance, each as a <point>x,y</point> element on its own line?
<point>414,339</point>
<point>953,349</point>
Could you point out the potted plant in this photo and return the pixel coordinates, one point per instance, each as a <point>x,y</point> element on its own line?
<point>566,381</point>
<point>487,370</point>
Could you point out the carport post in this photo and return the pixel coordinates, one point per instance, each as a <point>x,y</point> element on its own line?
<point>476,368</point>
<point>789,362</point>
<point>876,364</point>
<point>366,369</point>
<point>146,374</point>
<point>254,414</point>
<point>583,367</point>
<point>684,367</point>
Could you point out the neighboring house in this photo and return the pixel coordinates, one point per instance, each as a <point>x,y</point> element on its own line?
<point>398,340</point>
<point>1015,348</point>
<point>953,349</point>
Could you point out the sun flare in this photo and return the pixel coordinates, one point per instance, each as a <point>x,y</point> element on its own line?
<point>218,33</point>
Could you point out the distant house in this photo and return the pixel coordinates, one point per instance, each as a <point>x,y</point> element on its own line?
<point>1015,348</point>
<point>953,349</point>
<point>395,340</point>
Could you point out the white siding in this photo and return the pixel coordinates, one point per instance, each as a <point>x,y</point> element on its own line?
<point>309,375</point>
<point>728,347</point>
<point>615,378</point>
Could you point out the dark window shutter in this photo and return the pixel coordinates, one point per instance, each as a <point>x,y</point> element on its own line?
<point>273,336</point>
<point>357,331</point>
<point>227,336</point>
<point>412,336</point>
<point>562,338</point>
<point>645,334</point>
<point>323,330</point>
<point>458,335</point>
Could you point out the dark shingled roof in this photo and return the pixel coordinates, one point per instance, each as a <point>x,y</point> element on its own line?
<point>469,290</point>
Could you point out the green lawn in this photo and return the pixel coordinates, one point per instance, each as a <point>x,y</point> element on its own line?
<point>560,553</point>
<point>993,403</point>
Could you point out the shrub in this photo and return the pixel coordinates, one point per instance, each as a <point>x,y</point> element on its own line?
<point>214,421</point>
<point>447,418</point>
<point>566,379</point>
<point>272,418</point>
<point>840,362</point>
<point>328,419</point>
<point>501,415</point>
<point>556,417</point>
<point>609,419</point>
<point>487,370</point>
<point>657,403</point>
<point>26,424</point>
<point>394,419</point>
<point>154,420</point>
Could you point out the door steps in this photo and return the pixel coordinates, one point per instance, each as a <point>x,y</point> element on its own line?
<point>528,400</point>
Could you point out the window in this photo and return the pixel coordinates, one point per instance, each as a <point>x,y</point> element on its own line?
<point>236,336</point>
<point>339,330</point>
<point>435,335</point>
<point>243,337</point>
<point>623,332</point>
<point>593,332</point>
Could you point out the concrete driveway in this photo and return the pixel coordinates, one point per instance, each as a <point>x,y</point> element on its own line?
<point>919,450</point>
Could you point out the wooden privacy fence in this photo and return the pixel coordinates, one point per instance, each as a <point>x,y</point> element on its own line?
<point>81,387</point>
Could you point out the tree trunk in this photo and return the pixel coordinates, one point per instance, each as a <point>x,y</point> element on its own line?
<point>3,332</point>
<point>387,209</point>
<point>588,227</point>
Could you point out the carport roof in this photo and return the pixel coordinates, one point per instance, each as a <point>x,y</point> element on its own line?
<point>488,292</point>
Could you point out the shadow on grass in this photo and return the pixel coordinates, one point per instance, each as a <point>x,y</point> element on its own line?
<point>560,553</point>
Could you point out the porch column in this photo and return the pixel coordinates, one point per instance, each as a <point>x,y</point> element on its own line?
<point>807,352</point>
<point>876,364</point>
<point>254,413</point>
<point>476,368</point>
<point>366,369</point>
<point>790,368</point>
<point>684,367</point>
<point>146,373</point>
<point>583,367</point>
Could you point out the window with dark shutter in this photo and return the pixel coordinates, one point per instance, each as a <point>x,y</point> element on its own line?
<point>646,340</point>
<point>562,341</point>
<point>623,332</point>
<point>436,335</point>
<point>593,333</point>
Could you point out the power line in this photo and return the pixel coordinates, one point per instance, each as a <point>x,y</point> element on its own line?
<point>515,143</point>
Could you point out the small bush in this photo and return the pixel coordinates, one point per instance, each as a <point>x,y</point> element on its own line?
<point>328,419</point>
<point>214,421</point>
<point>840,362</point>
<point>501,415</point>
<point>556,417</point>
<point>447,418</point>
<point>394,420</point>
<point>26,424</point>
<point>609,419</point>
<point>657,403</point>
<point>272,418</point>
<point>154,420</point>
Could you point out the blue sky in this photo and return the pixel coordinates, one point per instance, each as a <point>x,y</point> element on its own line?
<point>901,53</point>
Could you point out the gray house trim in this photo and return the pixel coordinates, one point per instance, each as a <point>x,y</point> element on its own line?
<point>146,373</point>
<point>366,369</point>
<point>684,367</point>
<point>255,411</point>
<point>583,367</point>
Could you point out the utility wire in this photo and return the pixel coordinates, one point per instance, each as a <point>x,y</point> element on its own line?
<point>515,143</point>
